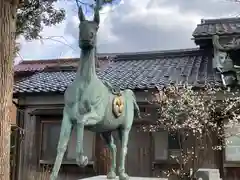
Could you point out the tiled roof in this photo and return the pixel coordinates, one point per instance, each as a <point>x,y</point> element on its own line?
<point>136,71</point>
<point>224,26</point>
<point>39,65</point>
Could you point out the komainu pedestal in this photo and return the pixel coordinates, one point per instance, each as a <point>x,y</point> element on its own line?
<point>130,178</point>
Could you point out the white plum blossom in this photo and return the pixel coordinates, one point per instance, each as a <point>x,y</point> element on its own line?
<point>196,115</point>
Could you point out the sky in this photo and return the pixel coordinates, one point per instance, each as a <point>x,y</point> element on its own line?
<point>131,26</point>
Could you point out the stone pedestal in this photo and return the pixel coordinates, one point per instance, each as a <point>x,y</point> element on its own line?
<point>131,178</point>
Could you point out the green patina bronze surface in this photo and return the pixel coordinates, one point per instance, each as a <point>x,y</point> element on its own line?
<point>95,105</point>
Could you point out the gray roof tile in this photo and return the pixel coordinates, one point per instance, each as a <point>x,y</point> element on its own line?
<point>224,26</point>
<point>136,71</point>
<point>40,65</point>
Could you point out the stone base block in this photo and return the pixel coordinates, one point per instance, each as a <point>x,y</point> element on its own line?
<point>131,178</point>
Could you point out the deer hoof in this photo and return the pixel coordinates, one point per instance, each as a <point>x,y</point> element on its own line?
<point>82,161</point>
<point>111,175</point>
<point>123,176</point>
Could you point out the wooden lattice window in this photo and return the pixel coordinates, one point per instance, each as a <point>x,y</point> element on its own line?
<point>148,112</point>
<point>165,145</point>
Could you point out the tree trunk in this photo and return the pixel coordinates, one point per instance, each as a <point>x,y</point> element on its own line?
<point>7,39</point>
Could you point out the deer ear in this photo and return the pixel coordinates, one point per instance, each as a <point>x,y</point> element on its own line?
<point>96,16</point>
<point>80,14</point>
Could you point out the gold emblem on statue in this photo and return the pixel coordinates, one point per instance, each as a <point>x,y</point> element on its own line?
<point>118,105</point>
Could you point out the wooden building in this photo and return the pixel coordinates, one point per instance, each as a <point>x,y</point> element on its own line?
<point>40,97</point>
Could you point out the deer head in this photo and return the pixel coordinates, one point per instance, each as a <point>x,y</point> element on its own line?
<point>88,30</point>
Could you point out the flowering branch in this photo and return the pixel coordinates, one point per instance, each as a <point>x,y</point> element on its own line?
<point>198,116</point>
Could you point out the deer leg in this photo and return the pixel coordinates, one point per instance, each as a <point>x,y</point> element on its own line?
<point>81,159</point>
<point>123,134</point>
<point>107,136</point>
<point>65,133</point>
<point>90,118</point>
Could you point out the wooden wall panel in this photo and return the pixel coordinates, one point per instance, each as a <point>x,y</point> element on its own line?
<point>138,161</point>
<point>102,156</point>
<point>139,154</point>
